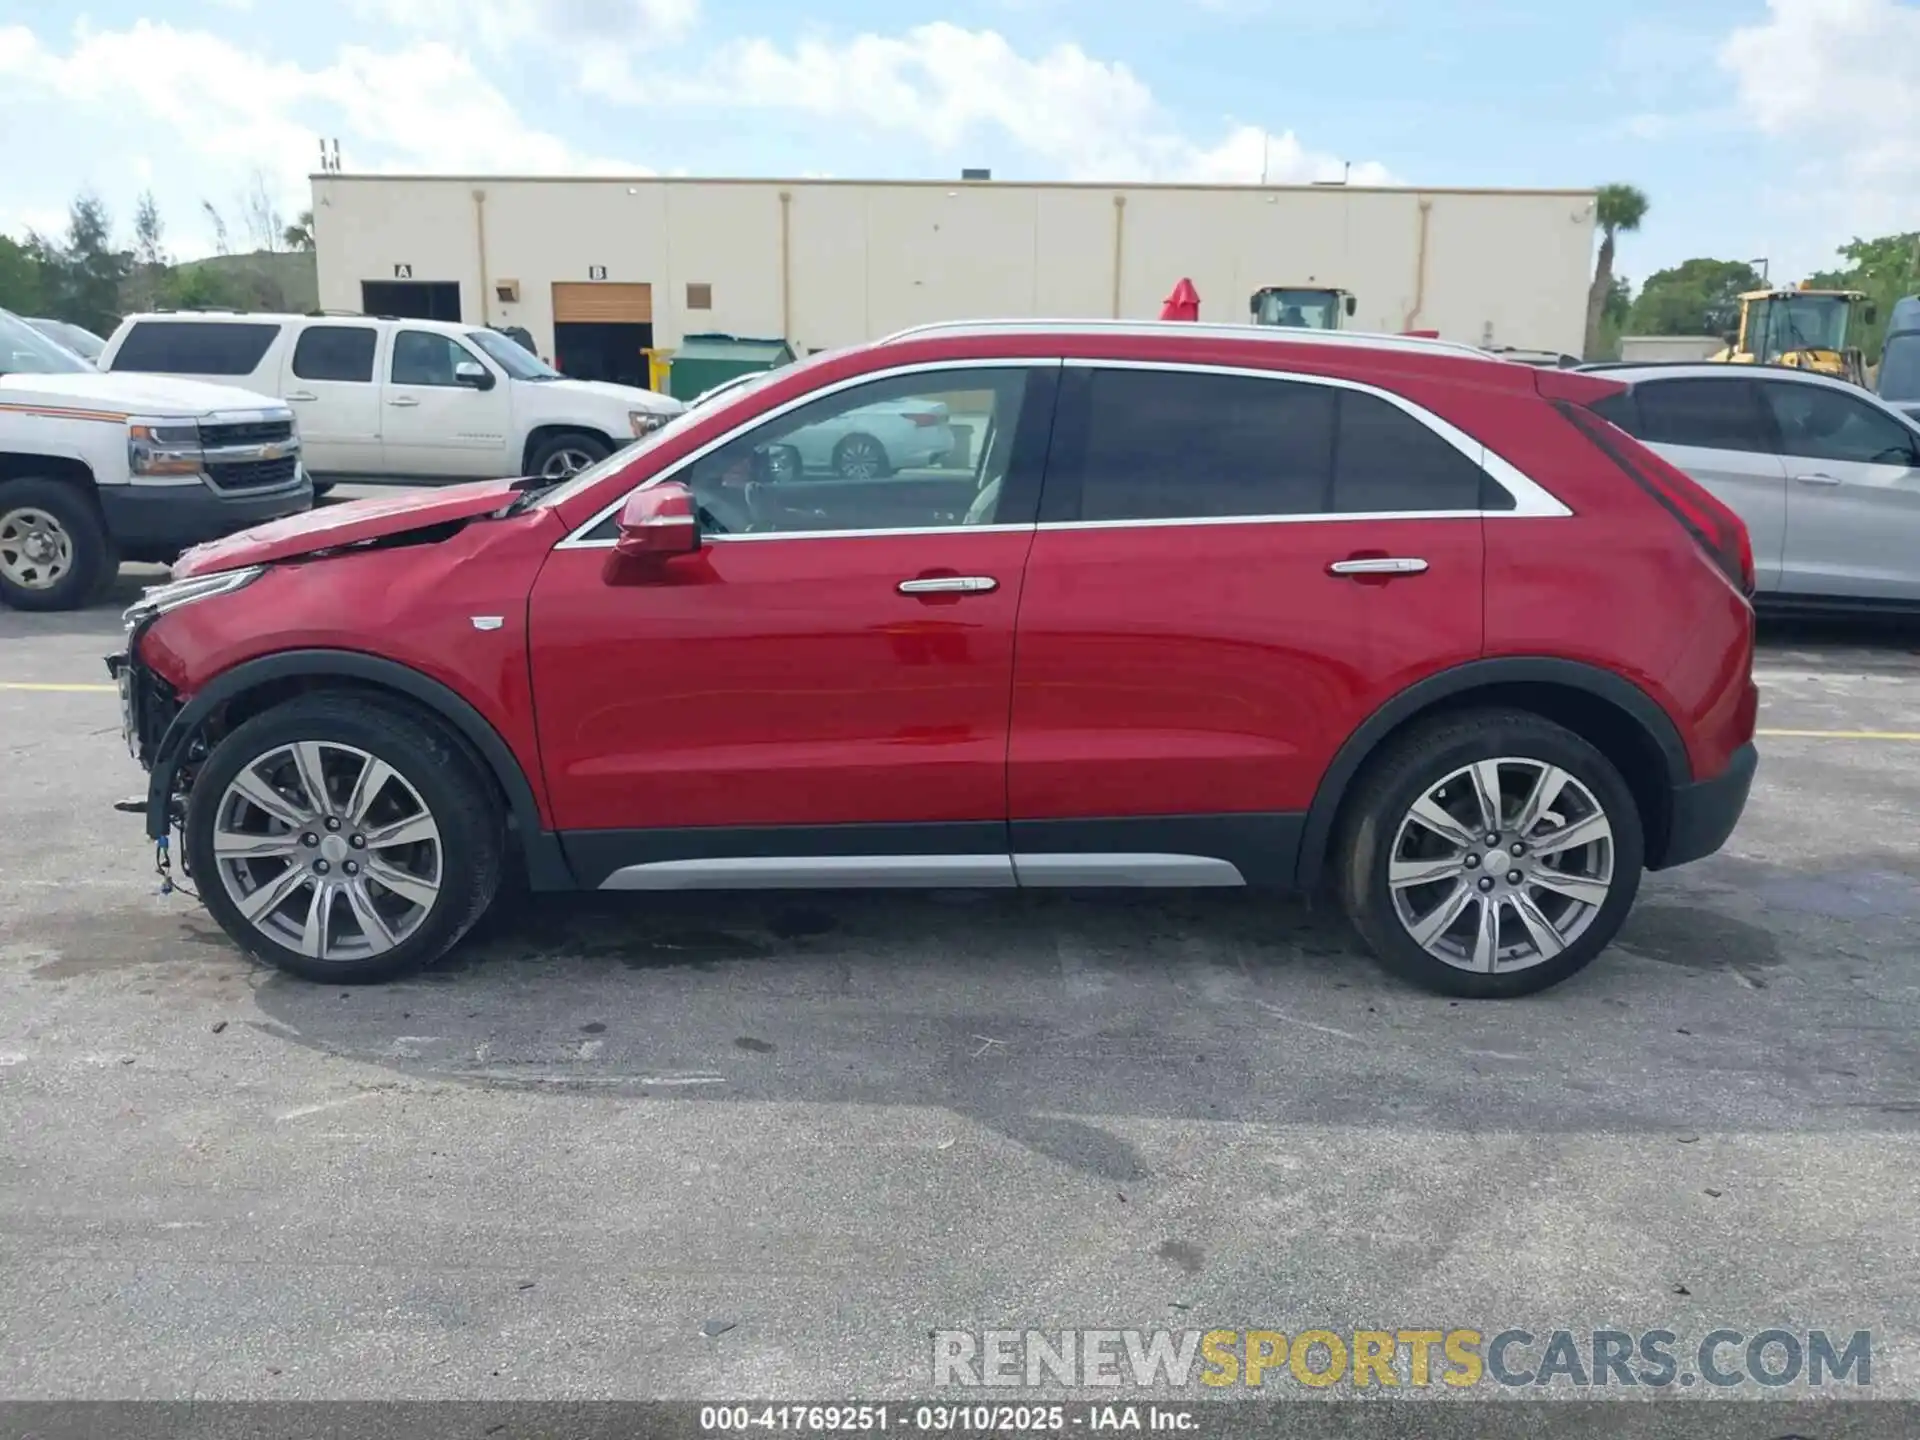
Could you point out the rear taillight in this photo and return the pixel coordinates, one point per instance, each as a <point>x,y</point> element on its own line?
<point>1716,529</point>
<point>926,419</point>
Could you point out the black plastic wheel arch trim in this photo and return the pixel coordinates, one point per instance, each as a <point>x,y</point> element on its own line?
<point>547,867</point>
<point>1641,707</point>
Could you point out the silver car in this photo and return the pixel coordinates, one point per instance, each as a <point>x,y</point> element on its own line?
<point>1825,475</point>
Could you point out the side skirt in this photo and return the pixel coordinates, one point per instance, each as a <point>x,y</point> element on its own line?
<point>1176,851</point>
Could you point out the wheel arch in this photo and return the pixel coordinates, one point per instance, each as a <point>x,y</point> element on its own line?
<point>553,430</point>
<point>1617,717</point>
<point>253,687</point>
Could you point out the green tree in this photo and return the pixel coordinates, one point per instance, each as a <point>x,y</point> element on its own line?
<point>20,279</point>
<point>150,258</point>
<point>1618,209</point>
<point>299,235</point>
<point>1884,270</point>
<point>82,277</point>
<point>1695,297</point>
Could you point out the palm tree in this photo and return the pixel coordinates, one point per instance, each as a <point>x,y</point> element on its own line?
<point>1617,208</point>
<point>299,235</point>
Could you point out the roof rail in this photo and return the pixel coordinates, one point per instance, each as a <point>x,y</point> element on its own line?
<point>1275,333</point>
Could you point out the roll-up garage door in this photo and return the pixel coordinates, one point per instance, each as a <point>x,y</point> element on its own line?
<point>600,302</point>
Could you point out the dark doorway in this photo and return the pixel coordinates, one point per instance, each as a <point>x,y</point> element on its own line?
<point>602,350</point>
<point>411,299</point>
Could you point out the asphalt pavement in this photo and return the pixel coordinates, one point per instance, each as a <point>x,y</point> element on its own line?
<point>716,1146</point>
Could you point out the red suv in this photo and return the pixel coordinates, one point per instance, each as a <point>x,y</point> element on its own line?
<point>1169,605</point>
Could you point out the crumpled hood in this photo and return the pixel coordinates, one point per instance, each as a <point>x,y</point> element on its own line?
<point>649,401</point>
<point>331,526</point>
<point>159,395</point>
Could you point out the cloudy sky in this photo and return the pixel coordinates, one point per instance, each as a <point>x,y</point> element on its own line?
<point>1758,127</point>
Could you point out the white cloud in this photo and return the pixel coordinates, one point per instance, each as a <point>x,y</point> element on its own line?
<point>1835,82</point>
<point>194,116</point>
<point>507,26</point>
<point>950,87</point>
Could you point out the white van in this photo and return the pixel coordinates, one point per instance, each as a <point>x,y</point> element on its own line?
<point>407,401</point>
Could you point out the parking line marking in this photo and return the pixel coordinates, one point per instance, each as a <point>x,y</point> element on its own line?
<point>50,688</point>
<point>1839,734</point>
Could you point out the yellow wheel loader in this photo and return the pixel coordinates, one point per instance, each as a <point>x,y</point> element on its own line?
<point>1804,328</point>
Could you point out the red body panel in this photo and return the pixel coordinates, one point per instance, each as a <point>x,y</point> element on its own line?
<point>414,605</point>
<point>1208,669</point>
<point>781,682</point>
<point>351,523</point>
<point>1621,586</point>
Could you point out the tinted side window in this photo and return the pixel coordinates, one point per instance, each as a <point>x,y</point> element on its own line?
<point>1386,460</point>
<point>186,347</point>
<point>335,352</point>
<point>1169,445</point>
<point>1822,424</point>
<point>423,358</point>
<point>1711,414</point>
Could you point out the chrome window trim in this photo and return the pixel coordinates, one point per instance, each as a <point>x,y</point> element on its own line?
<point>1531,499</point>
<point>576,537</point>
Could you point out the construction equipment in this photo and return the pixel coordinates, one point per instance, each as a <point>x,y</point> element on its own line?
<point>1804,328</point>
<point>1303,307</point>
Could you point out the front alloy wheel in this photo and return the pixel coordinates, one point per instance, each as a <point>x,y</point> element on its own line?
<point>861,457</point>
<point>345,837</point>
<point>1502,865</point>
<point>566,462</point>
<point>328,850</point>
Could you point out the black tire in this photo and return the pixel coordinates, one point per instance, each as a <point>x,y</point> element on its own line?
<point>321,487</point>
<point>96,561</point>
<point>592,446</point>
<point>1403,772</point>
<point>861,445</point>
<point>462,802</point>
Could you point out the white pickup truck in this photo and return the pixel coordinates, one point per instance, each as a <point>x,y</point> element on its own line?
<point>399,401</point>
<point>96,469</point>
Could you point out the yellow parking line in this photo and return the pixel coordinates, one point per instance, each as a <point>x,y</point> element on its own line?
<point>46,687</point>
<point>1840,734</point>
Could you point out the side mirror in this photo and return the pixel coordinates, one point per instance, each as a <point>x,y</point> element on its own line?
<point>1352,305</point>
<point>473,375</point>
<point>776,463</point>
<point>655,524</point>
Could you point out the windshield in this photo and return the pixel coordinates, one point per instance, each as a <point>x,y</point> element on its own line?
<point>83,343</point>
<point>512,357</point>
<point>25,351</point>
<point>1310,309</point>
<point>1799,322</point>
<point>1900,367</point>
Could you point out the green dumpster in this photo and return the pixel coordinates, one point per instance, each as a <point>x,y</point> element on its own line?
<point>704,361</point>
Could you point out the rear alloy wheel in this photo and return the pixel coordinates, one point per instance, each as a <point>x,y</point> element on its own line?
<point>342,841</point>
<point>1492,856</point>
<point>861,457</point>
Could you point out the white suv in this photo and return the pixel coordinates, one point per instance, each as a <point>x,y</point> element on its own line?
<point>415,401</point>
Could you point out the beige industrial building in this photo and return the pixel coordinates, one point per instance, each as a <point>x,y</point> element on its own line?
<point>595,270</point>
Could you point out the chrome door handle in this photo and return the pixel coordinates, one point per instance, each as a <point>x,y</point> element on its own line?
<point>949,585</point>
<point>403,400</point>
<point>1384,565</point>
<point>301,395</point>
<point>1818,479</point>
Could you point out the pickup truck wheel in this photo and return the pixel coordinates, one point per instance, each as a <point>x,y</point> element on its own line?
<point>343,840</point>
<point>561,456</point>
<point>54,550</point>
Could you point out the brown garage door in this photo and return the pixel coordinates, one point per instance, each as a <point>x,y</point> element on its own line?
<point>590,302</point>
